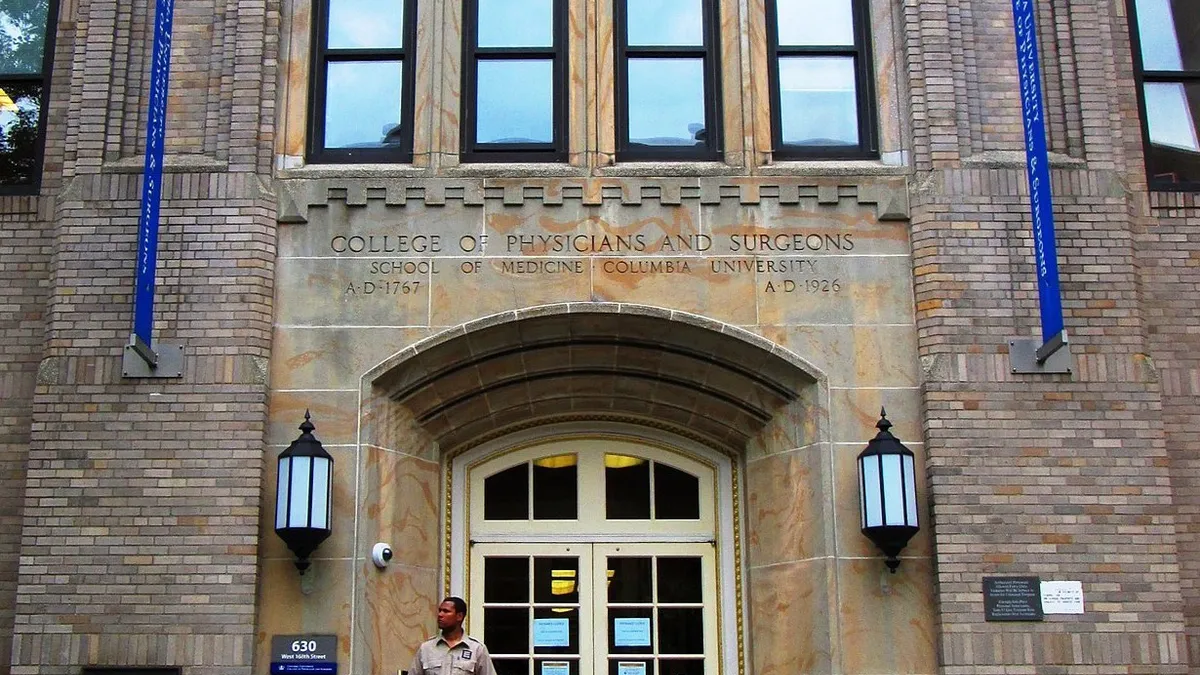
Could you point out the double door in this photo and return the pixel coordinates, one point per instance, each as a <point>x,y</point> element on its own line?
<point>596,609</point>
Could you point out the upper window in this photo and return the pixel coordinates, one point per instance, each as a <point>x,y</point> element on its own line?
<point>25,57</point>
<point>667,89</point>
<point>1166,40</point>
<point>514,80</point>
<point>363,75</point>
<point>821,75</point>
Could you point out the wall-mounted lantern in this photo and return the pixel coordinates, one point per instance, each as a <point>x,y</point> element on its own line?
<point>887,483</point>
<point>304,496</point>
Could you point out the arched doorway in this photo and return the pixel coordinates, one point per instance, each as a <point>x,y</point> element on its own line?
<point>595,554</point>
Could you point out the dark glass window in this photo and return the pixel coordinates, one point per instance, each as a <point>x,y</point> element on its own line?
<point>1166,41</point>
<point>667,85</point>
<point>362,83</point>
<point>514,81</point>
<point>821,79</point>
<point>26,47</point>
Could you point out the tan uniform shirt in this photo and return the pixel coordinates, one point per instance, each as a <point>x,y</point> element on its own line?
<point>468,657</point>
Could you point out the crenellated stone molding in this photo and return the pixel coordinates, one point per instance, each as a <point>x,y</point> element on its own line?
<point>888,195</point>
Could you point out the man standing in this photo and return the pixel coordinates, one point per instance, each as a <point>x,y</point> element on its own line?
<point>452,652</point>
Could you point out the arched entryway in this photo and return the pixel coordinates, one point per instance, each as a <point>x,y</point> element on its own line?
<point>601,451</point>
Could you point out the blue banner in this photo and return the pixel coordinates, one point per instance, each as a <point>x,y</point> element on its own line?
<point>1037,170</point>
<point>156,128</point>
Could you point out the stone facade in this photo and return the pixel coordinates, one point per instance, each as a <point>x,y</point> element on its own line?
<point>765,310</point>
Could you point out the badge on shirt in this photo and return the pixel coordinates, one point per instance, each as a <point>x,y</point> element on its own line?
<point>466,654</point>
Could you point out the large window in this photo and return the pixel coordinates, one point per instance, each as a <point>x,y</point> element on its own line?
<point>25,57</point>
<point>1166,40</point>
<point>514,80</point>
<point>363,81</point>
<point>667,84</point>
<point>823,99</point>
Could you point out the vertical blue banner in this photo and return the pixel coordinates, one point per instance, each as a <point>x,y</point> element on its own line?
<point>156,128</point>
<point>1037,170</point>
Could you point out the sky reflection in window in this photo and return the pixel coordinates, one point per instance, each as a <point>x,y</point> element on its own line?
<point>515,101</point>
<point>666,101</point>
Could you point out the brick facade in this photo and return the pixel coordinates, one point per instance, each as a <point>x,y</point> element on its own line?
<point>131,517</point>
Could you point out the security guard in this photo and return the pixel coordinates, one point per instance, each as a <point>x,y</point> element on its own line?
<point>452,652</point>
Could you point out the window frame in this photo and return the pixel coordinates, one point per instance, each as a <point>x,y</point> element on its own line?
<point>1140,77</point>
<point>864,87</point>
<point>471,151</point>
<point>710,52</point>
<point>34,186</point>
<point>322,56</point>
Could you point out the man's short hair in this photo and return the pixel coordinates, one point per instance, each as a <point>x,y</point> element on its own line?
<point>460,606</point>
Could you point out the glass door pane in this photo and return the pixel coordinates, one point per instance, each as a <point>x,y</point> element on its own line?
<point>530,604</point>
<point>656,611</point>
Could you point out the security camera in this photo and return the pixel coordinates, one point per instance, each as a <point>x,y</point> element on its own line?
<point>381,553</point>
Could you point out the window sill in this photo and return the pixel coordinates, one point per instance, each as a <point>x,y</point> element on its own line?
<point>354,171</point>
<point>667,169</point>
<point>832,167</point>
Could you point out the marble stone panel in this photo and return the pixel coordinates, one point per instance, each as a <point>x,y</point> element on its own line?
<point>334,414</point>
<point>855,356</point>
<point>850,540</point>
<point>383,231</point>
<point>355,291</point>
<point>474,288</point>
<point>837,290</point>
<point>610,229</point>
<point>803,229</point>
<point>892,612</point>
<point>340,543</point>
<point>395,612</point>
<point>788,506</point>
<point>283,609</point>
<point>799,424</point>
<point>854,413</point>
<point>399,496</point>
<point>390,425</point>
<point>681,283</point>
<point>333,357</point>
<point>790,618</point>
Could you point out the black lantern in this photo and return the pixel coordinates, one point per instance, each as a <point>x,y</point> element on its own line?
<point>304,496</point>
<point>887,483</point>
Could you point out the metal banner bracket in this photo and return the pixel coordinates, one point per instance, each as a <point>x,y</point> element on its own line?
<point>1027,356</point>
<point>140,360</point>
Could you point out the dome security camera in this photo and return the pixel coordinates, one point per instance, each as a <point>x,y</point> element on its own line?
<point>381,553</point>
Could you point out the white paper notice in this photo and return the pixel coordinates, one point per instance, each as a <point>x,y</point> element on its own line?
<point>631,668</point>
<point>633,632</point>
<point>1062,597</point>
<point>556,668</point>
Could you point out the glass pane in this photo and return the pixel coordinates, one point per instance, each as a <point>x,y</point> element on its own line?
<point>556,615</point>
<point>627,665</point>
<point>20,114</point>
<point>516,101</point>
<point>679,580</point>
<point>665,22</point>
<point>629,580</point>
<point>366,24</point>
<point>628,632</point>
<point>681,666</point>
<point>516,23</point>
<point>626,488</point>
<point>506,494</point>
<point>1173,155</point>
<point>22,35</point>
<point>666,102</point>
<point>509,666</point>
<point>680,630</point>
<point>506,579</point>
<point>362,104</point>
<point>555,488</point>
<point>506,630</point>
<point>815,22</point>
<point>1161,24</point>
<point>817,104</point>
<point>556,580</point>
<point>676,494</point>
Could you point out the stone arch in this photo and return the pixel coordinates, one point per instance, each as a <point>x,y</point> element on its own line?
<point>701,378</point>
